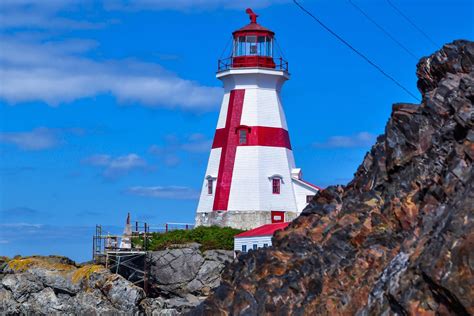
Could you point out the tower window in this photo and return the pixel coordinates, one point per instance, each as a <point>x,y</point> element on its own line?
<point>243,136</point>
<point>276,185</point>
<point>209,186</point>
<point>251,45</point>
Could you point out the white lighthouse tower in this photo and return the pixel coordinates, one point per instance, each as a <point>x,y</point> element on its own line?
<point>251,178</point>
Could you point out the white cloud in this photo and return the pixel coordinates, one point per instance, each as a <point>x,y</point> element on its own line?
<point>40,138</point>
<point>42,14</point>
<point>113,167</point>
<point>195,143</point>
<point>49,7</point>
<point>56,72</point>
<point>98,160</point>
<point>37,139</point>
<point>362,139</point>
<point>189,5</point>
<point>167,192</point>
<point>21,225</point>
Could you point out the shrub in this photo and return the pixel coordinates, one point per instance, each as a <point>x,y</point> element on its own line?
<point>213,237</point>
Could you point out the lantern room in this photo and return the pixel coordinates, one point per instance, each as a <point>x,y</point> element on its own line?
<point>253,46</point>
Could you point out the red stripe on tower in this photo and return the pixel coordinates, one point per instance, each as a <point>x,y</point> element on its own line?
<point>229,147</point>
<point>257,136</point>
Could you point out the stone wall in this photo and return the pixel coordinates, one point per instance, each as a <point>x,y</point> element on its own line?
<point>239,219</point>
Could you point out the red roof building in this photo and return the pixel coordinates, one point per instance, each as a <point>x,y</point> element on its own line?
<point>259,237</point>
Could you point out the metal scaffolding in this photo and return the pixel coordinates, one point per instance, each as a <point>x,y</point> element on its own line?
<point>132,261</point>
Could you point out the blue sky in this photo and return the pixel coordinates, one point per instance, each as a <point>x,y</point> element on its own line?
<point>111,107</point>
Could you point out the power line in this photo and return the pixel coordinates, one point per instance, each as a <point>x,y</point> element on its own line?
<point>412,23</point>
<point>357,52</point>
<point>383,30</point>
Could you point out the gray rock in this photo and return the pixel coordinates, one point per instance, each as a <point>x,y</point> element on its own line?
<point>44,287</point>
<point>46,302</point>
<point>122,294</point>
<point>156,307</point>
<point>176,265</point>
<point>56,286</point>
<point>22,285</point>
<point>187,270</point>
<point>8,304</point>
<point>93,302</point>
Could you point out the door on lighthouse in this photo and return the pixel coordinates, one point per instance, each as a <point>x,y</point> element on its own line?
<point>278,217</point>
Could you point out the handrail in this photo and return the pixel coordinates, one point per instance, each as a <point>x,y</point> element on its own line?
<point>260,61</point>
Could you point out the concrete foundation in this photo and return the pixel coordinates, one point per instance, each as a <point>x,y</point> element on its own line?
<point>238,219</point>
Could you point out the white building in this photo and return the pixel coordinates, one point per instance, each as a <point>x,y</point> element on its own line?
<point>251,177</point>
<point>259,237</point>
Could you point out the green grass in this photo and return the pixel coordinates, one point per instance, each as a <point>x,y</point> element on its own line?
<point>213,237</point>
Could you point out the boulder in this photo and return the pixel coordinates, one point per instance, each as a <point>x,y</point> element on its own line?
<point>187,270</point>
<point>21,286</point>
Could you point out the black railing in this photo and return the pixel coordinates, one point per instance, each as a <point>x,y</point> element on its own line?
<point>252,62</point>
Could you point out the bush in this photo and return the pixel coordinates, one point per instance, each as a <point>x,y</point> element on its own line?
<point>213,237</point>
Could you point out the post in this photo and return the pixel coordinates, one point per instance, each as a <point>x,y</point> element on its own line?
<point>145,239</point>
<point>93,249</point>
<point>166,227</point>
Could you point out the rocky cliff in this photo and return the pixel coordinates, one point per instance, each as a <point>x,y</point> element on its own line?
<point>180,279</point>
<point>398,239</point>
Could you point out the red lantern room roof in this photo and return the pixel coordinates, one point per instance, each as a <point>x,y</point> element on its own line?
<point>253,47</point>
<point>253,27</point>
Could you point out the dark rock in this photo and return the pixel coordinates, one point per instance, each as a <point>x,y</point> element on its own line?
<point>398,239</point>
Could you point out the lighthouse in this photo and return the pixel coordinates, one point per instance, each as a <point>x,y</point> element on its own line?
<point>251,178</point>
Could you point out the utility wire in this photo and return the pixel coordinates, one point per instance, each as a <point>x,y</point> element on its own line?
<point>357,51</point>
<point>380,27</point>
<point>412,23</point>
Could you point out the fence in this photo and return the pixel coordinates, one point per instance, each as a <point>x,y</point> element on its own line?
<point>252,61</point>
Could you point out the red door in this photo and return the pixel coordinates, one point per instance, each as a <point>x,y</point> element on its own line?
<point>278,217</point>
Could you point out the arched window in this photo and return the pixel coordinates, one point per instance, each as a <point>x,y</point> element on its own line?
<point>276,185</point>
<point>276,180</point>
<point>210,184</point>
